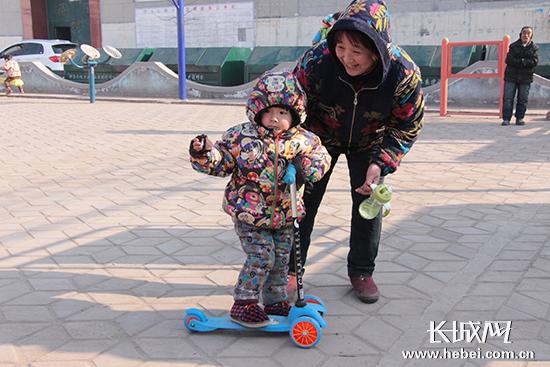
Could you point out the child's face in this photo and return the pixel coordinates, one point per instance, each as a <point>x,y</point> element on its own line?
<point>277,118</point>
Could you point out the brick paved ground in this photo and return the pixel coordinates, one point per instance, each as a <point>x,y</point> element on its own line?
<point>107,235</point>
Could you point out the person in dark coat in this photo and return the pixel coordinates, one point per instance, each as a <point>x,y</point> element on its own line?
<point>365,101</point>
<point>521,61</point>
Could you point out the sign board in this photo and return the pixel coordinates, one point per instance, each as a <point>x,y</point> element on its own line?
<point>206,25</point>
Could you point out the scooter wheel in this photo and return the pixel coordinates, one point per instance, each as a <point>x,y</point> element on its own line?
<point>191,316</point>
<point>305,332</point>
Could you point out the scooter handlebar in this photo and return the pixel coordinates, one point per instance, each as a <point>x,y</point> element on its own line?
<point>290,176</point>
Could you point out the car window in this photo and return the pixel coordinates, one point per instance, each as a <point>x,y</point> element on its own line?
<point>14,50</point>
<point>59,49</point>
<point>32,49</point>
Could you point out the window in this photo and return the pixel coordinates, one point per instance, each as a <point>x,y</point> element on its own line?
<point>59,49</point>
<point>241,36</point>
<point>32,49</point>
<point>14,50</point>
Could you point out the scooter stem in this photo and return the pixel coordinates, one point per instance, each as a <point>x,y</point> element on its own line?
<point>290,178</point>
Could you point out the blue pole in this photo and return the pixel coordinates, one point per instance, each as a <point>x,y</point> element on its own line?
<point>180,8</point>
<point>91,77</point>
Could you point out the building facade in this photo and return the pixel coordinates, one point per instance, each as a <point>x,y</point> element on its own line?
<point>250,23</point>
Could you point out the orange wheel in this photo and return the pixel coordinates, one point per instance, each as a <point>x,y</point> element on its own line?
<point>305,332</point>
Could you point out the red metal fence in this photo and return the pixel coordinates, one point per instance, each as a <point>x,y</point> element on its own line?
<point>447,63</point>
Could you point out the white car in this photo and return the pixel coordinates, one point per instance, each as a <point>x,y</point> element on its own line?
<point>45,51</point>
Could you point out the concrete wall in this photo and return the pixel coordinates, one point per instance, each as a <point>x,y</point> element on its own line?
<point>429,28</point>
<point>294,22</point>
<point>11,26</point>
<point>422,22</point>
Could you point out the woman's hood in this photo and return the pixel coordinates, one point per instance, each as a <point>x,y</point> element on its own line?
<point>370,17</point>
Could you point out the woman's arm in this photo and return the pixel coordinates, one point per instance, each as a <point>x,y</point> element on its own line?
<point>307,72</point>
<point>405,123</point>
<point>314,158</point>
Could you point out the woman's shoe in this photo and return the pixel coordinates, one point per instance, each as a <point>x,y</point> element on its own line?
<point>365,288</point>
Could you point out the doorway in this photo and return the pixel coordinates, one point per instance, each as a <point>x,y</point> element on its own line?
<point>63,33</point>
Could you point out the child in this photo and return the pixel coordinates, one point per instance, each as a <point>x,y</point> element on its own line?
<point>14,74</point>
<point>256,154</point>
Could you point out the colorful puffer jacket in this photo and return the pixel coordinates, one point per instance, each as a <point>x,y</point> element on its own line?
<point>257,158</point>
<point>381,112</point>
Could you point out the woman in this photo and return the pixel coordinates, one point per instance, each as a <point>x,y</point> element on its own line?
<point>365,101</point>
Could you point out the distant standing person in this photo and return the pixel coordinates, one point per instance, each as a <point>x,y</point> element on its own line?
<point>14,74</point>
<point>521,61</point>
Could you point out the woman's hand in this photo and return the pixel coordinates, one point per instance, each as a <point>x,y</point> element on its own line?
<point>373,177</point>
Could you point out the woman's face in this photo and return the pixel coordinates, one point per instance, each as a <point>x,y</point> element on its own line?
<point>356,58</point>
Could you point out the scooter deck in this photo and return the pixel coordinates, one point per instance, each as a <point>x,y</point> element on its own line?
<point>278,324</point>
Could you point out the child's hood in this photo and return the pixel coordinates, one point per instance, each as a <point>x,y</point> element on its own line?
<point>277,89</point>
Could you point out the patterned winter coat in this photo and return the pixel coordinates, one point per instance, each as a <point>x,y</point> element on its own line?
<point>381,112</point>
<point>257,158</point>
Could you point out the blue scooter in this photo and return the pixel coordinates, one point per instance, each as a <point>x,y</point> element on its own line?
<point>305,319</point>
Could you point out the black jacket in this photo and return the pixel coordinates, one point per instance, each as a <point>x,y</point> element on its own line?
<point>521,62</point>
<point>380,113</point>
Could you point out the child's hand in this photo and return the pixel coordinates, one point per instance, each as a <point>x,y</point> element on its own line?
<point>199,146</point>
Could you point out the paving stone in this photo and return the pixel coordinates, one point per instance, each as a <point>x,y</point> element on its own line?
<point>13,290</point>
<point>35,298</point>
<point>257,343</point>
<point>528,305</point>
<point>65,364</point>
<point>412,261</point>
<point>496,289</point>
<point>345,345</point>
<point>92,330</point>
<point>7,354</point>
<point>123,355</point>
<point>51,284</point>
<point>26,313</point>
<point>247,362</point>
<point>378,333</point>
<point>404,307</point>
<point>78,350</point>
<point>37,345</point>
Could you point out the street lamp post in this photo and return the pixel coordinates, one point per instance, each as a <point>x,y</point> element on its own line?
<point>180,9</point>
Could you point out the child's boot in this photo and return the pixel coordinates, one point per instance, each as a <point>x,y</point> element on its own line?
<point>280,308</point>
<point>248,313</point>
